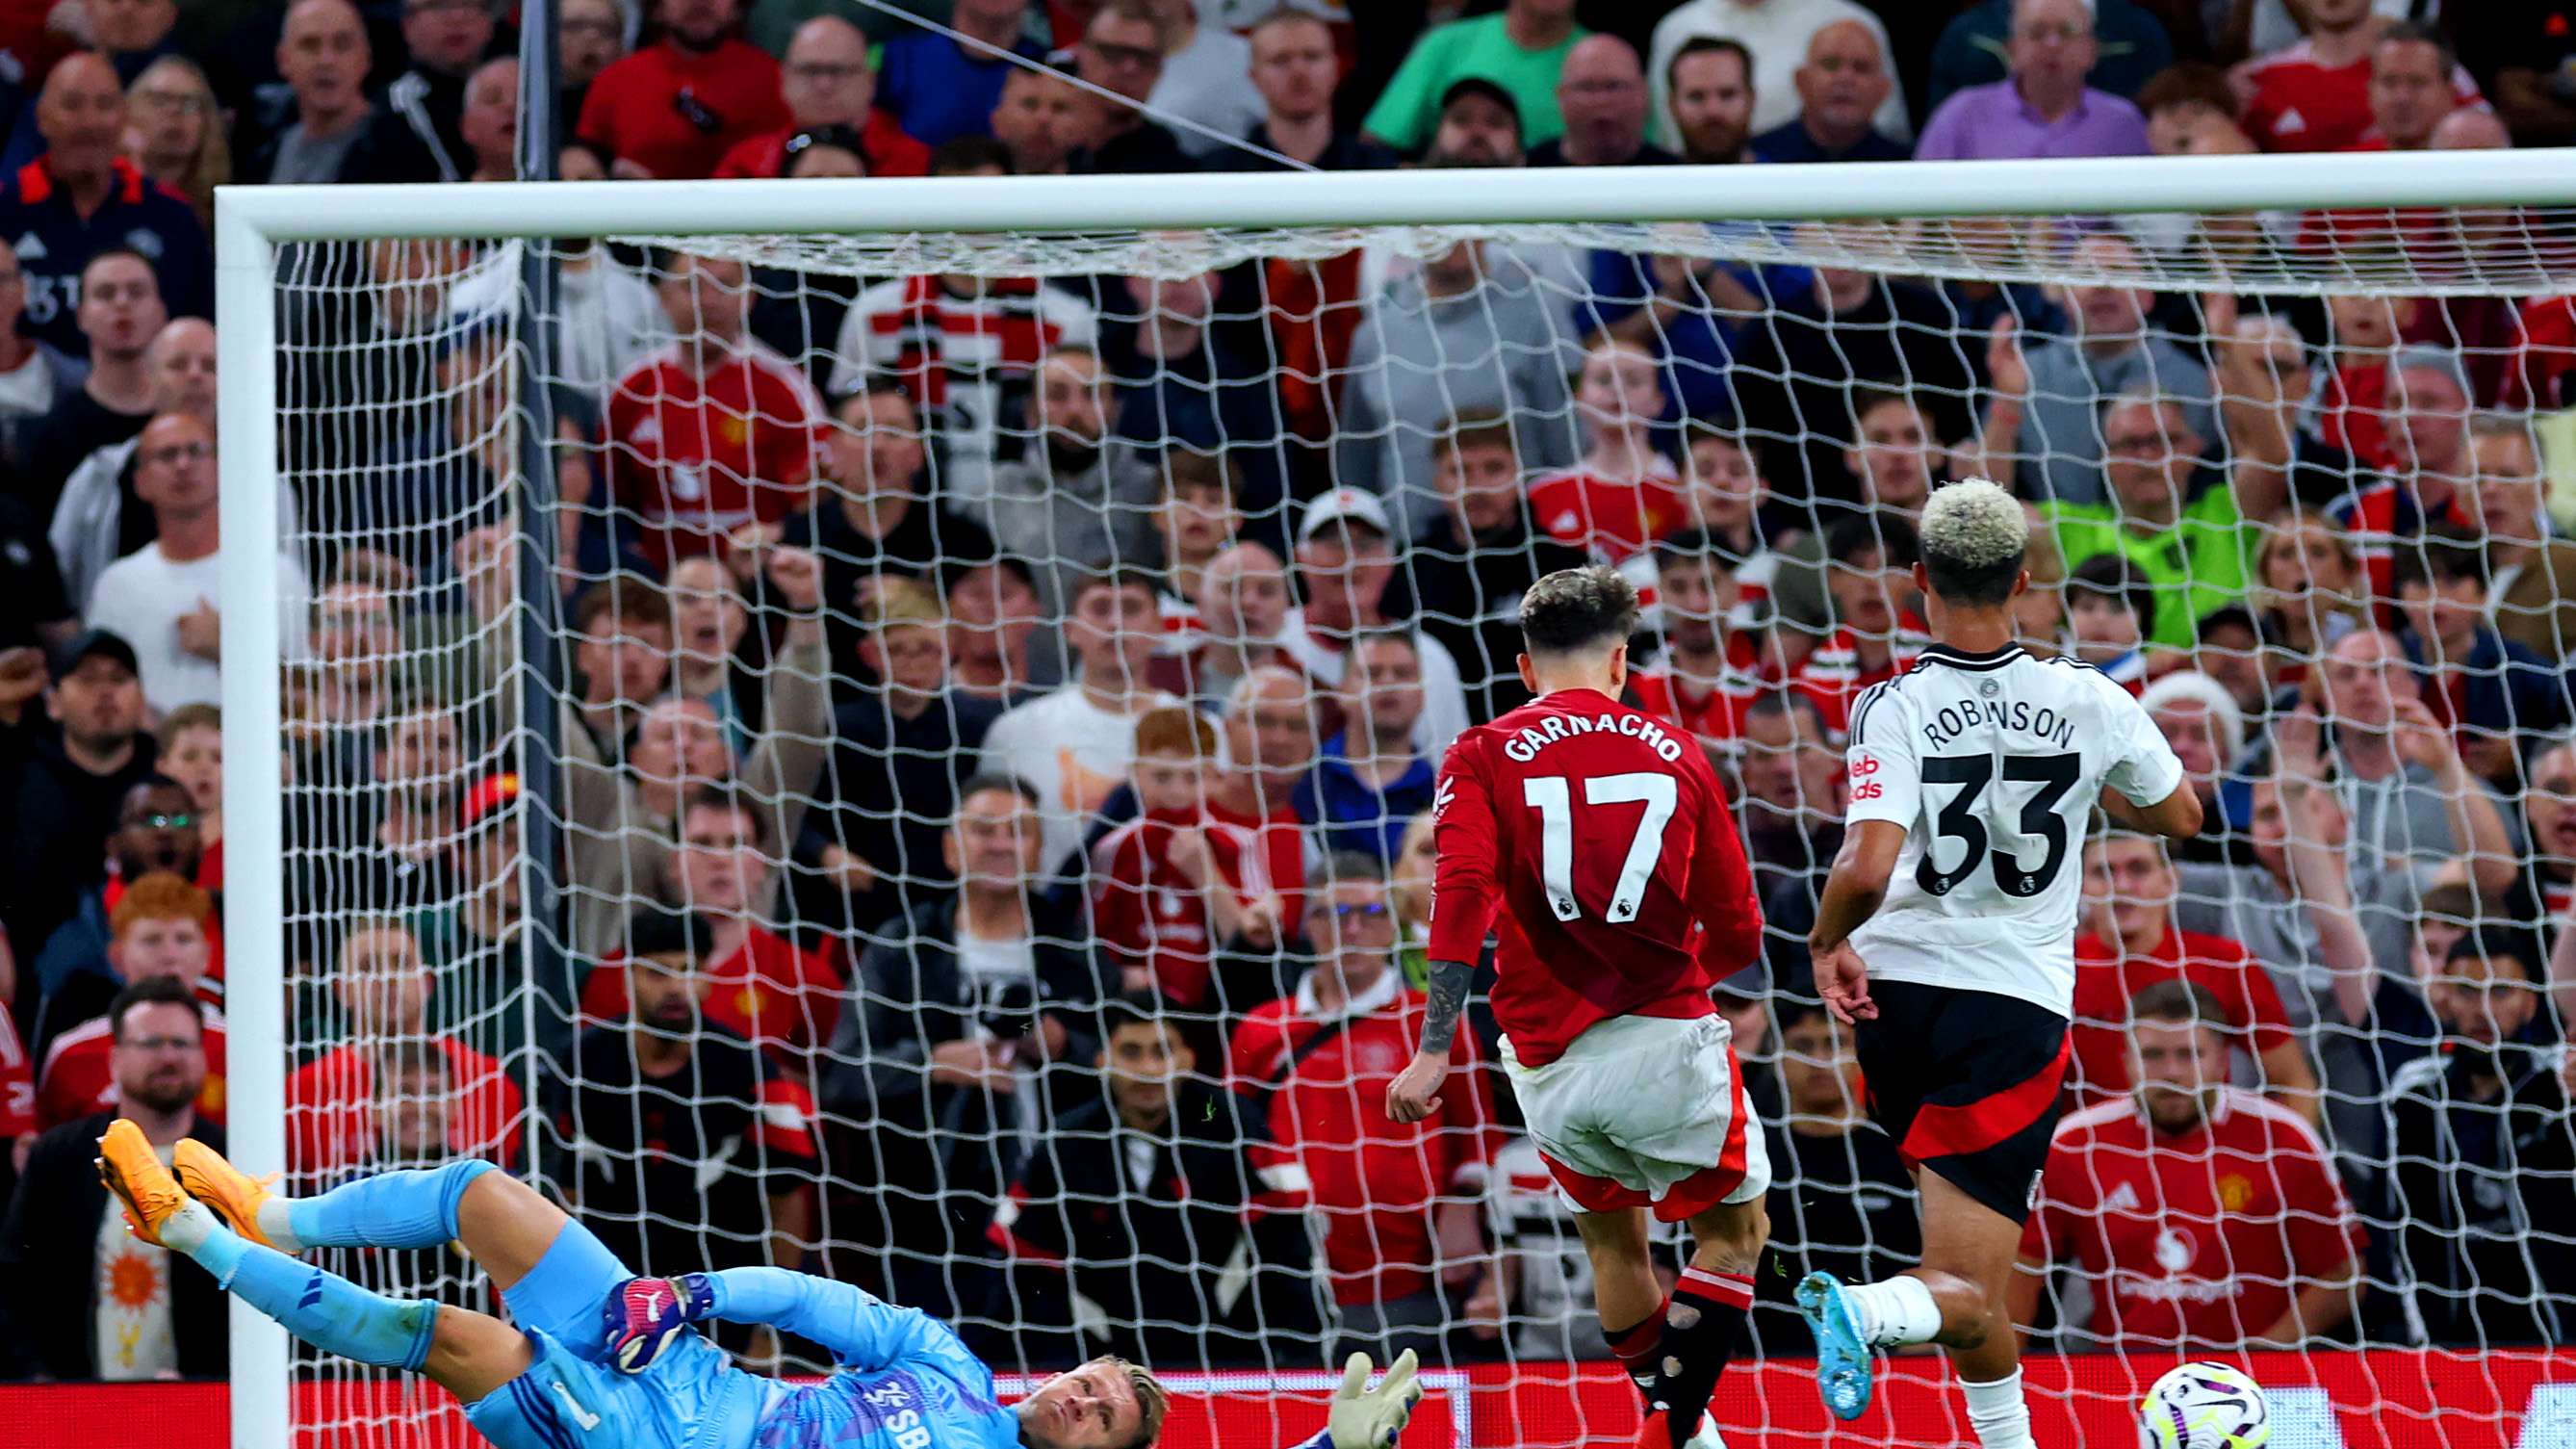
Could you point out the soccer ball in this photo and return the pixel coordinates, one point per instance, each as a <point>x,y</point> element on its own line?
<point>2204,1406</point>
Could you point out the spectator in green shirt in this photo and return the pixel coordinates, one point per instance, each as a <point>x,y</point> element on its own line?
<point>1521,50</point>
<point>2195,551</point>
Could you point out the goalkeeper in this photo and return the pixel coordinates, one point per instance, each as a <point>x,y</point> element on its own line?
<point>601,1359</point>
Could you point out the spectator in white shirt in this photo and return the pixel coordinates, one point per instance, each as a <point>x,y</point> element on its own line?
<point>162,596</point>
<point>1776,34</point>
<point>1073,746</point>
<point>1207,72</point>
<point>1344,564</point>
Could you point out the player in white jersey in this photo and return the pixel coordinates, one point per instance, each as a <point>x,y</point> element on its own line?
<point>1946,938</point>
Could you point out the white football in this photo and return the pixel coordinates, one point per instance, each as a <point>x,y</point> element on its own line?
<point>2204,1406</point>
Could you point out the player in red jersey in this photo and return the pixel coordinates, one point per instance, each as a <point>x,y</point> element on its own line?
<point>1606,834</point>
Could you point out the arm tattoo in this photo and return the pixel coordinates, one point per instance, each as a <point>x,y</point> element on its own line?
<point>1448,998</point>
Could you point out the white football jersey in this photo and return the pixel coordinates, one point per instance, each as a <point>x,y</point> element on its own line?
<point>1994,764</point>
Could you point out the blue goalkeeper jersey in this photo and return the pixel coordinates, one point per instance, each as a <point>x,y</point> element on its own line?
<point>906,1381</point>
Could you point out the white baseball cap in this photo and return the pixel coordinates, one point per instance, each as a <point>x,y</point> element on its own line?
<point>1357,505</point>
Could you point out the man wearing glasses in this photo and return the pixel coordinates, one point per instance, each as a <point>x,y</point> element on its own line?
<point>1122,55</point>
<point>79,1297</point>
<point>1401,1202</point>
<point>160,598</point>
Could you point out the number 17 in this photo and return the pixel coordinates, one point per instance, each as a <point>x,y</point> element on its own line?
<point>1550,796</point>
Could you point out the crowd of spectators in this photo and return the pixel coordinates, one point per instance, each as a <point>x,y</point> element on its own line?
<point>997,719</point>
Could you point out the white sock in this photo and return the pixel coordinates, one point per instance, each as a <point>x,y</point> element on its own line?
<point>1998,1412</point>
<point>277,1227</point>
<point>186,1230</point>
<point>1896,1311</point>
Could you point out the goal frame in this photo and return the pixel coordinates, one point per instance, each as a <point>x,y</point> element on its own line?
<point>251,222</point>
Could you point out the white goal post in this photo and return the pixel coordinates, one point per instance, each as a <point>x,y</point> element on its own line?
<point>252,223</point>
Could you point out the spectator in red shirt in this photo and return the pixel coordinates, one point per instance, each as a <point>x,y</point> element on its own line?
<point>1696,683</point>
<point>1623,493</point>
<point>2201,1214</point>
<point>678,105</point>
<point>827,81</point>
<point>1400,1201</point>
<point>1173,887</point>
<point>2319,95</point>
<point>1867,561</point>
<point>759,985</point>
<point>2414,83</point>
<point>2131,941</point>
<point>715,430</point>
<point>160,930</point>
<point>2431,466</point>
<point>335,1105</point>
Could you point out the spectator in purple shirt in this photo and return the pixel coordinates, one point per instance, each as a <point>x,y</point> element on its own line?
<point>2043,108</point>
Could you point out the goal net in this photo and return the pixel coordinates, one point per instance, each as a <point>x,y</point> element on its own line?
<point>907,753</point>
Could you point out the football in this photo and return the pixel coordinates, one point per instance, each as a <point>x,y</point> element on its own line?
<point>2204,1406</point>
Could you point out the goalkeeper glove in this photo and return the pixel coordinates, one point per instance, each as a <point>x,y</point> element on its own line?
<point>1371,1418</point>
<point>645,1314</point>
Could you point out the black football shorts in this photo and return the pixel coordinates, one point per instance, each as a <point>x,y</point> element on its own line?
<point>1968,1085</point>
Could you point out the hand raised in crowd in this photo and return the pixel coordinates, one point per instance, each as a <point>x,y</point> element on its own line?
<point>2007,371</point>
<point>797,575</point>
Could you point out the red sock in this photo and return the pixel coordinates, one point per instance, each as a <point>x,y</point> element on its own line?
<point>1636,1350</point>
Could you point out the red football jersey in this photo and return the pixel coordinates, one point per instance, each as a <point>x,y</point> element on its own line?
<point>78,1079</point>
<point>1144,912</point>
<point>771,993</point>
<point>1832,675</point>
<point>2205,1237</point>
<point>676,114</point>
<point>1603,838</point>
<point>2297,104</point>
<point>17,1083</point>
<point>2107,981</point>
<point>1376,1183</point>
<point>1717,713</point>
<point>331,1109</point>
<point>1613,518</point>
<point>699,456</point>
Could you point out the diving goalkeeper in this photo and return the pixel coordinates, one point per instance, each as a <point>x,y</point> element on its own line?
<point>602,1359</point>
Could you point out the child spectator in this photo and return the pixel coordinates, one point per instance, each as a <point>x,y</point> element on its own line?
<point>159,926</point>
<point>1700,682</point>
<point>1878,638</point>
<point>1621,494</point>
<point>1173,888</point>
<point>2111,610</point>
<point>192,753</point>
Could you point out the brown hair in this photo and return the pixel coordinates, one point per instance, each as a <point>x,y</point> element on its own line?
<point>159,896</point>
<point>2191,82</point>
<point>1175,730</point>
<point>185,718</point>
<point>1153,1401</point>
<point>1473,428</point>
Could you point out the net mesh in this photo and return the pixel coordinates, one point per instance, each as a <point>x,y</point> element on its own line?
<point>849,534</point>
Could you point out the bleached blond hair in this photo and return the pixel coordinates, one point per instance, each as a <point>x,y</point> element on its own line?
<point>1973,538</point>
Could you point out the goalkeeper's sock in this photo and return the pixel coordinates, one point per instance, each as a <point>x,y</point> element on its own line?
<point>1999,1413</point>
<point>1897,1311</point>
<point>323,1309</point>
<point>1703,1322</point>
<point>409,1209</point>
